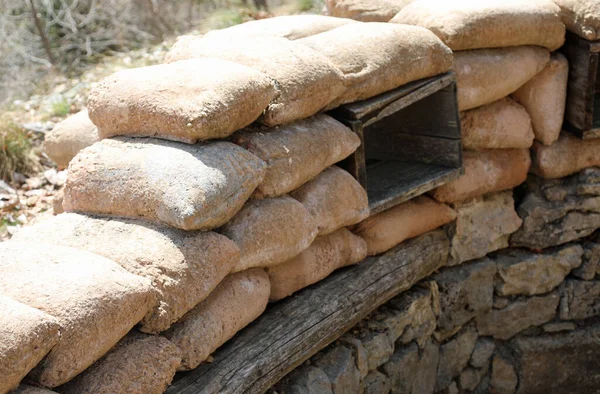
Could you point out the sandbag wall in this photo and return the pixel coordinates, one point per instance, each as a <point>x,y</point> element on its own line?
<point>516,309</point>
<point>212,190</point>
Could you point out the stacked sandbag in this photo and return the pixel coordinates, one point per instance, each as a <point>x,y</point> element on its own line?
<point>70,136</point>
<point>377,57</point>
<point>184,267</point>
<point>581,17</point>
<point>93,300</point>
<point>236,302</point>
<point>306,81</point>
<point>566,156</point>
<point>365,10</point>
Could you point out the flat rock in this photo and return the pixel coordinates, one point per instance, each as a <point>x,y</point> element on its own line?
<point>376,383</point>
<point>504,378</point>
<point>580,299</point>
<point>401,368</point>
<point>454,356</point>
<point>484,348</point>
<point>518,316</point>
<point>559,211</point>
<point>424,379</point>
<point>305,379</point>
<point>339,365</point>
<point>524,272</point>
<point>483,225</point>
<point>591,261</point>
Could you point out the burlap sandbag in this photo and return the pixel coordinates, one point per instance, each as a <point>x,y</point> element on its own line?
<point>544,97</point>
<point>365,10</point>
<point>582,17</point>
<point>566,156</point>
<point>191,187</point>
<point>137,364</point>
<point>486,75</point>
<point>500,125</point>
<point>377,57</point>
<point>306,81</point>
<point>237,301</point>
<point>387,229</point>
<point>95,301</point>
<point>190,100</point>
<point>26,336</point>
<point>334,199</point>
<point>70,136</point>
<point>291,27</point>
<point>183,266</point>
<point>270,231</point>
<point>475,24</point>
<point>325,255</point>
<point>485,172</point>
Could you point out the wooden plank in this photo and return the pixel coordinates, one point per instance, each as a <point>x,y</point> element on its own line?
<point>391,183</point>
<point>355,163</point>
<point>294,329</point>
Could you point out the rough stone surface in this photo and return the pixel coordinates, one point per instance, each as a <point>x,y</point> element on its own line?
<point>486,172</point>
<point>236,302</point>
<point>548,161</point>
<point>378,344</point>
<point>559,326</point>
<point>401,368</point>
<point>26,389</point>
<point>559,211</point>
<point>338,364</point>
<point>454,356</point>
<point>318,261</point>
<point>95,301</point>
<point>524,272</point>
<point>483,225</point>
<point>484,348</point>
<point>464,24</point>
<point>138,363</point>
<point>191,187</point>
<point>581,17</point>
<point>335,199</point>
<point>376,383</point>
<point>486,75</point>
<point>387,229</point>
<point>470,377</point>
<point>424,380</point>
<point>504,378</point>
<point>580,299</point>
<point>365,10</point>
<point>591,261</point>
<point>466,291</point>
<point>297,152</point>
<point>518,316</point>
<point>361,357</point>
<point>183,266</point>
<point>191,100</point>
<point>503,124</point>
<point>69,137</point>
<point>26,336</point>
<point>377,57</point>
<point>559,363</point>
<point>544,97</point>
<point>306,81</point>
<point>270,231</point>
<point>305,380</point>
<point>291,27</point>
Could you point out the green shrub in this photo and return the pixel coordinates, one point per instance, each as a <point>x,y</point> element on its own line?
<point>61,108</point>
<point>305,5</point>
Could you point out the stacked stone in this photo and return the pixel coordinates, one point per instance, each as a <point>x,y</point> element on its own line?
<point>212,190</point>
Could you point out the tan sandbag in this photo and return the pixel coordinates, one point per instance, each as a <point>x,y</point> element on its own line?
<point>190,100</point>
<point>298,152</point>
<point>500,125</point>
<point>544,97</point>
<point>291,27</point>
<point>475,24</point>
<point>306,81</point>
<point>191,187</point>
<point>486,75</point>
<point>365,10</point>
<point>95,301</point>
<point>325,255</point>
<point>26,336</point>
<point>184,266</point>
<point>270,231</point>
<point>377,57</point>
<point>581,17</point>
<point>334,199</point>
<point>137,364</point>
<point>412,218</point>
<point>236,302</point>
<point>485,172</point>
<point>70,136</point>
<point>566,156</point>
<point>26,389</point>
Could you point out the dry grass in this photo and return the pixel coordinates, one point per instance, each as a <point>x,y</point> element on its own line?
<point>16,151</point>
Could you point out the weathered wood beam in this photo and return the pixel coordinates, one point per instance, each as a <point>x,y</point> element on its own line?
<point>294,329</point>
